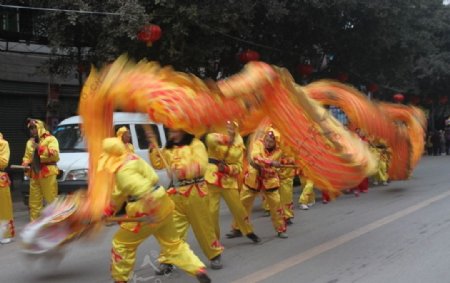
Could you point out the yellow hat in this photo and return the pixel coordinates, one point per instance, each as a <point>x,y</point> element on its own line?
<point>121,131</point>
<point>113,154</point>
<point>39,125</point>
<point>271,131</point>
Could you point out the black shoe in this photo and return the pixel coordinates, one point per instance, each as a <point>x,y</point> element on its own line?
<point>216,262</point>
<point>252,236</point>
<point>203,277</point>
<point>164,269</point>
<point>235,233</point>
<point>289,221</point>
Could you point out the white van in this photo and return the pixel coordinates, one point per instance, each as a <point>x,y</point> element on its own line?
<point>73,162</point>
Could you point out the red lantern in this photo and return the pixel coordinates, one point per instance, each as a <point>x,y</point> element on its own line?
<point>443,99</point>
<point>415,100</point>
<point>305,70</point>
<point>343,77</point>
<point>248,55</point>
<point>149,34</point>
<point>372,87</point>
<point>398,97</point>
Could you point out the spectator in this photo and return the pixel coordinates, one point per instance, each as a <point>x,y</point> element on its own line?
<point>436,141</point>
<point>447,139</point>
<point>429,144</point>
<point>442,141</point>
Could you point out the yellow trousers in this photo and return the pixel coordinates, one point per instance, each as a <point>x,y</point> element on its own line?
<point>273,199</point>
<point>286,197</point>
<point>173,249</point>
<point>308,196</point>
<point>231,197</point>
<point>41,189</point>
<point>6,211</point>
<point>382,174</point>
<point>264,203</point>
<point>193,210</point>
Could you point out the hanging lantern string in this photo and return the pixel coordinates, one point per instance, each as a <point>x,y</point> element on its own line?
<point>199,24</point>
<point>243,40</point>
<point>60,10</point>
<point>284,51</point>
<point>119,14</point>
<point>379,86</point>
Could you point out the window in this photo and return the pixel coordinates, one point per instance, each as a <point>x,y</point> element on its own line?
<point>10,21</point>
<point>69,138</point>
<point>142,138</point>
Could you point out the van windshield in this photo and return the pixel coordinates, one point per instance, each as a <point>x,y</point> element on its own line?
<point>70,138</point>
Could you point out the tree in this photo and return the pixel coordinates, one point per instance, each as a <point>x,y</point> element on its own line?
<point>400,45</point>
<point>80,39</point>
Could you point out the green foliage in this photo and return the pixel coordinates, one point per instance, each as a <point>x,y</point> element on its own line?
<point>400,45</point>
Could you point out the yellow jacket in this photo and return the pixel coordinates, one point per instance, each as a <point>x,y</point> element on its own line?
<point>219,150</point>
<point>267,176</point>
<point>48,150</point>
<point>136,182</point>
<point>385,154</point>
<point>4,153</point>
<point>4,160</point>
<point>380,150</point>
<point>186,162</point>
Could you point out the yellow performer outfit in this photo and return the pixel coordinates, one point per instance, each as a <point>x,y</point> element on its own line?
<point>307,197</point>
<point>188,161</point>
<point>124,134</point>
<point>225,153</point>
<point>6,208</point>
<point>41,154</point>
<point>383,153</point>
<point>286,175</point>
<point>262,177</point>
<point>136,183</point>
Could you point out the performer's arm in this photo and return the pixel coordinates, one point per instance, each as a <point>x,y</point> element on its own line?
<point>28,156</point>
<point>156,159</point>
<point>236,154</point>
<point>49,152</point>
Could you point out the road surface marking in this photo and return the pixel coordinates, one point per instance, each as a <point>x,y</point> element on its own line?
<point>319,249</point>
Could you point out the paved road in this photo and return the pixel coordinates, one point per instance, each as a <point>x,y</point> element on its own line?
<point>397,233</point>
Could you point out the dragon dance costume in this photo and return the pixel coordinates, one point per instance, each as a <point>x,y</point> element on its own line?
<point>41,154</point>
<point>383,153</point>
<point>286,175</point>
<point>6,208</point>
<point>307,197</point>
<point>225,165</point>
<point>188,161</point>
<point>136,183</point>
<point>262,177</point>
